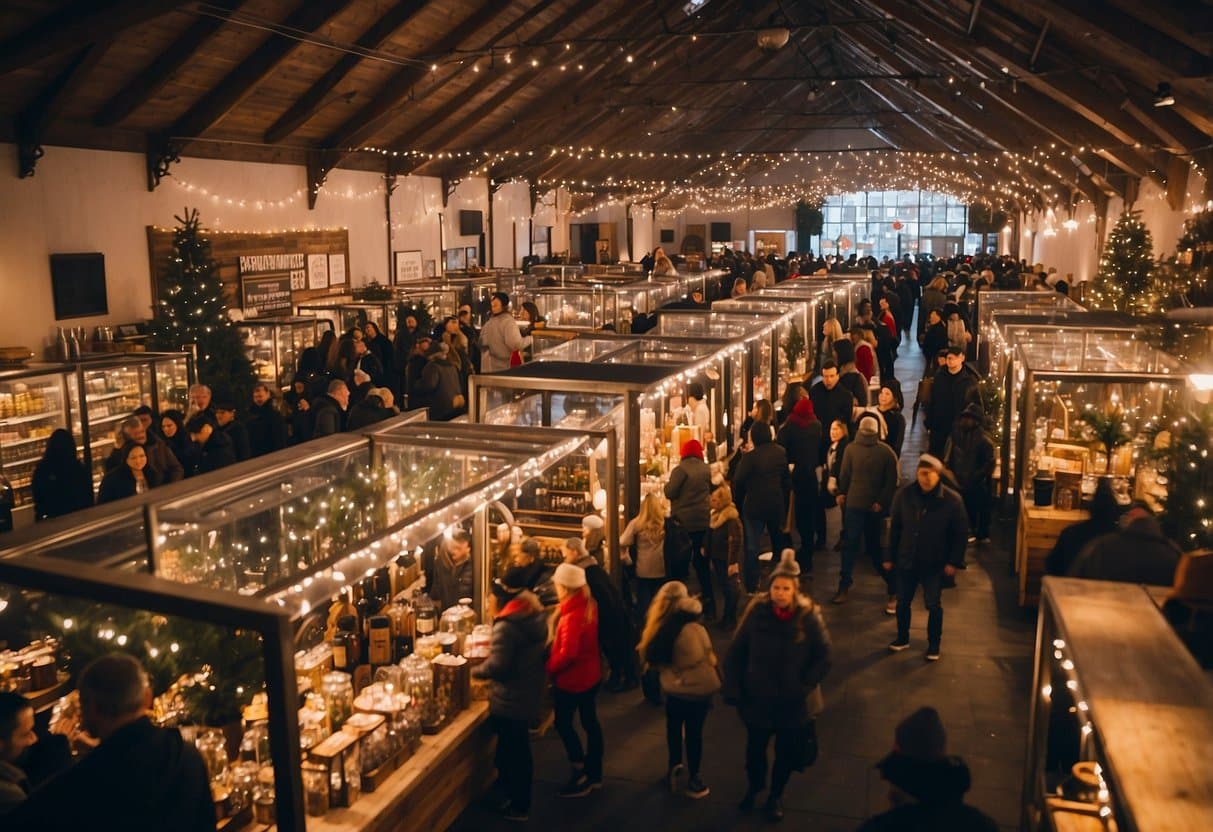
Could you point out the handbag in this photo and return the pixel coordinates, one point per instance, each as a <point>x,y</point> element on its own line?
<point>516,358</point>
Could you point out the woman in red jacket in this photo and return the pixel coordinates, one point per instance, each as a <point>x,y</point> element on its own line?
<point>576,670</point>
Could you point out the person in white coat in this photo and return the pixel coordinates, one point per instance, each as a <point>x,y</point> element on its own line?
<point>500,336</point>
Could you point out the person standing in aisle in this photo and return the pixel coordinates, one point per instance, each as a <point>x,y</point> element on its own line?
<point>772,671</point>
<point>926,542</point>
<point>499,337</point>
<point>688,490</point>
<point>969,455</point>
<point>646,532</point>
<point>867,480</point>
<point>726,550</point>
<point>16,735</point>
<point>60,483</point>
<point>139,777</point>
<point>160,457</point>
<point>675,643</point>
<point>199,400</point>
<point>381,348</point>
<point>574,665</point>
<point>515,669</point>
<point>953,388</point>
<point>890,404</point>
<point>801,439</point>
<point>849,377</point>
<point>762,483</point>
<point>225,417</point>
<point>616,635</point>
<point>212,449</point>
<point>130,475</point>
<point>328,411</point>
<point>265,424</point>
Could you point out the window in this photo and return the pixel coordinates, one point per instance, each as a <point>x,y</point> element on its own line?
<point>930,222</point>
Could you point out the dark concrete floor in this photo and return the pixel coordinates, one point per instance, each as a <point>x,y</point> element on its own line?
<point>980,687</point>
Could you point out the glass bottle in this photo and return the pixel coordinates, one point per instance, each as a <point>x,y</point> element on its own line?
<point>427,615</point>
<point>316,789</point>
<point>347,646</point>
<point>338,693</point>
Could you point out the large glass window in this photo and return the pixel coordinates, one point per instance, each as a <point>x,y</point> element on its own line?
<point>893,223</point>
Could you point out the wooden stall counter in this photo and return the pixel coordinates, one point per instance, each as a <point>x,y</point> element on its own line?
<point>429,791</point>
<point>1035,535</point>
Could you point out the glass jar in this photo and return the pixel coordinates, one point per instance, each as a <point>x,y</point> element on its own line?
<point>427,647</point>
<point>460,620</point>
<point>476,646</point>
<point>213,748</point>
<point>425,615</point>
<point>419,685</point>
<point>244,785</point>
<point>315,789</point>
<point>264,805</point>
<point>338,690</point>
<point>255,743</point>
<point>311,728</point>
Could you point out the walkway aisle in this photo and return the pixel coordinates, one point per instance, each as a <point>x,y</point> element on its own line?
<point>980,687</point>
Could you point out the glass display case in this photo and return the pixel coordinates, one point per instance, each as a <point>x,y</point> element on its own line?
<point>559,273</point>
<point>1121,715</point>
<point>641,401</point>
<point>802,325</point>
<point>1074,388</point>
<point>344,313</point>
<point>580,308</point>
<point>820,301</point>
<point>762,332</point>
<point>442,301</point>
<point>88,398</point>
<point>274,344</point>
<point>990,301</point>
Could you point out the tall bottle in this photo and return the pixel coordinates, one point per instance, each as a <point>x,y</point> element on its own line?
<point>62,351</point>
<point>426,613</point>
<point>73,345</point>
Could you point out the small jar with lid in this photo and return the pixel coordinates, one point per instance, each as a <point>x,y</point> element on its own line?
<point>264,805</point>
<point>459,619</point>
<point>427,647</point>
<point>419,685</point>
<point>315,789</point>
<point>338,690</point>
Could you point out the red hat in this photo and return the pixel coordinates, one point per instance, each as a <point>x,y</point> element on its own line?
<point>692,448</point>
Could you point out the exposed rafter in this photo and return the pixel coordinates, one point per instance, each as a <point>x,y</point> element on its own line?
<point>31,124</point>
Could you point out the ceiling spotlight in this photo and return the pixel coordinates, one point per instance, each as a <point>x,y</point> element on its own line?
<point>773,38</point>
<point>1163,96</point>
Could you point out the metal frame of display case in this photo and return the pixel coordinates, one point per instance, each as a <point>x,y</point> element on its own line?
<point>759,326</point>
<point>988,301</point>
<point>74,402</point>
<point>1112,675</point>
<point>151,594</point>
<point>632,383</point>
<point>603,304</point>
<point>344,312</point>
<point>284,373</point>
<point>1027,374</point>
<point>847,291</point>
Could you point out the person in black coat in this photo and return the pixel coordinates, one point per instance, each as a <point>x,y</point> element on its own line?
<point>1073,538</point>
<point>801,439</point>
<point>375,406</point>
<point>889,405</point>
<point>298,403</point>
<point>379,346</point>
<point>328,411</point>
<point>926,542</point>
<point>61,484</point>
<point>234,429</point>
<point>616,635</point>
<point>132,475</point>
<point>831,400</point>
<point>139,777</point>
<point>214,449</point>
<point>970,457</point>
<point>848,377</point>
<point>779,656</point>
<point>761,485</point>
<point>175,436</point>
<point>954,387</point>
<point>1136,552</point>
<point>265,425</point>
<point>515,669</point>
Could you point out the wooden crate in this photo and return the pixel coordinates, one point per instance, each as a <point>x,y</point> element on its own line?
<point>1035,535</point>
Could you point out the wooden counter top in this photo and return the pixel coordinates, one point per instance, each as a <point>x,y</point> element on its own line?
<point>1036,535</point>
<point>1151,705</point>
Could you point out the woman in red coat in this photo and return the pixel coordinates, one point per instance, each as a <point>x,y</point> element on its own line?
<point>575,666</point>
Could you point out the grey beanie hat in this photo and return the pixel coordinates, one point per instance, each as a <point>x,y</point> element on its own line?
<point>787,566</point>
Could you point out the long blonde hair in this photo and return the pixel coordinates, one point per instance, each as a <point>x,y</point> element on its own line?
<point>652,517</point>
<point>664,602</point>
<point>833,329</point>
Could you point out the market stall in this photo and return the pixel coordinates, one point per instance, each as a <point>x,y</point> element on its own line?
<point>989,301</point>
<point>332,539</point>
<point>275,344</point>
<point>1083,405</point>
<point>1121,720</point>
<point>795,345</point>
<point>88,397</point>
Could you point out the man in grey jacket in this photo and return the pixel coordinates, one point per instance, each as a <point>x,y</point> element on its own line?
<point>500,336</point>
<point>866,482</point>
<point>926,542</point>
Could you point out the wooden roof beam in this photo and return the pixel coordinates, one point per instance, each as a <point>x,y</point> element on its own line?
<point>31,124</point>
<point>1181,28</point>
<point>77,25</point>
<point>241,81</point>
<point>308,104</point>
<point>152,78</point>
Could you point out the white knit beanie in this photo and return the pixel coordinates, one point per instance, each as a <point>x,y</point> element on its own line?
<point>569,576</point>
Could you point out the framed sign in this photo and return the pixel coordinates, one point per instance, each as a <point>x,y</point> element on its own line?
<point>408,266</point>
<point>473,257</point>
<point>265,295</point>
<point>431,268</point>
<point>336,269</point>
<point>456,259</point>
<point>317,271</point>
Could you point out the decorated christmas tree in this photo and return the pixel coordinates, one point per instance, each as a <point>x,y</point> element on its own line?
<point>192,310</point>
<point>1124,281</point>
<point>1182,447</point>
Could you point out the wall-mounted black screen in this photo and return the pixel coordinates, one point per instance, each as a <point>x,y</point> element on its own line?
<point>78,285</point>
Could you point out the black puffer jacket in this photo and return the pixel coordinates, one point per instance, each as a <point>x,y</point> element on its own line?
<point>802,444</point>
<point>515,662</point>
<point>950,394</point>
<point>266,429</point>
<point>762,481</point>
<point>928,530</point>
<point>688,490</point>
<point>970,455</point>
<point>773,663</point>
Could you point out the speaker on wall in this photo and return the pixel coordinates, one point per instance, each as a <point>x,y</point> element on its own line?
<point>470,224</point>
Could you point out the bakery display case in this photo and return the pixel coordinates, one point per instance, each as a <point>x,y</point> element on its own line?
<point>1070,390</point>
<point>761,332</point>
<point>88,398</point>
<point>1121,716</point>
<point>642,402</point>
<point>274,344</point>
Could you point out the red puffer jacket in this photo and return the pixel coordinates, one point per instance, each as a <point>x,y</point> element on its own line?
<point>573,660</point>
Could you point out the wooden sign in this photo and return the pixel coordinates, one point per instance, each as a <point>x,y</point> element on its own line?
<point>408,267</point>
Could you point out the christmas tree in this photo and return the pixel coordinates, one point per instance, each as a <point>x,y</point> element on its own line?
<point>192,310</point>
<point>1181,443</point>
<point>1124,281</point>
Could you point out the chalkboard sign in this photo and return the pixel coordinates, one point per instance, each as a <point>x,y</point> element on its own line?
<point>266,295</point>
